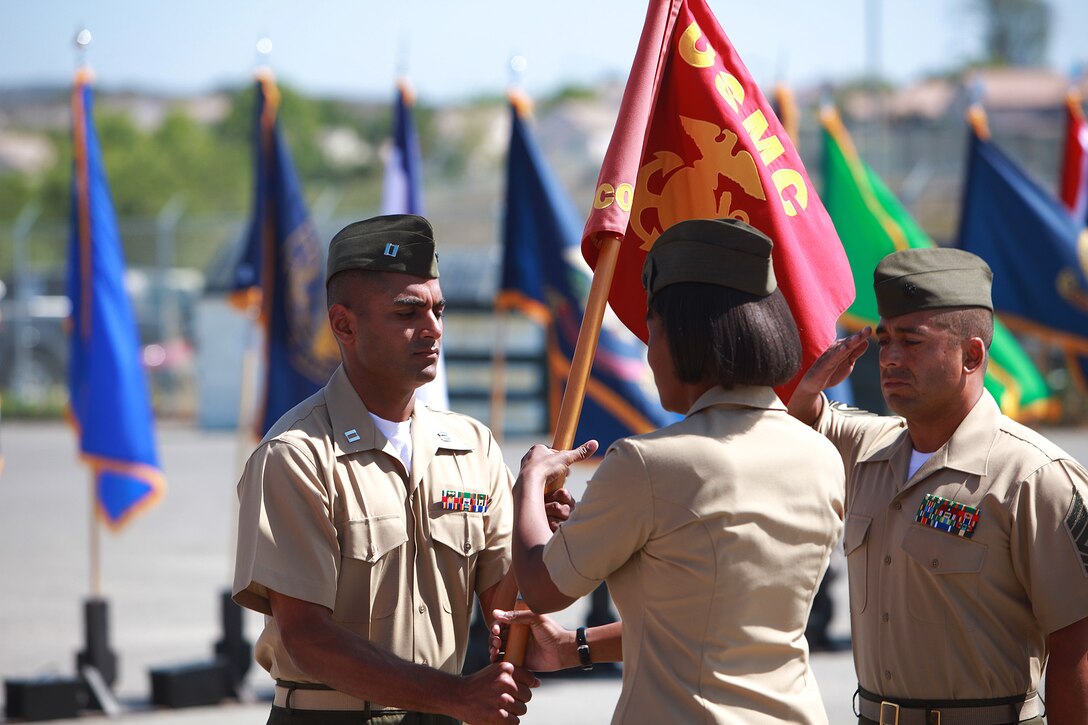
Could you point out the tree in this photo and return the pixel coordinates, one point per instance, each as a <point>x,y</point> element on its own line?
<point>1017,31</point>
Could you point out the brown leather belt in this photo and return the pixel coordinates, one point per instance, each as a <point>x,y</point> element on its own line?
<point>999,711</point>
<point>321,699</point>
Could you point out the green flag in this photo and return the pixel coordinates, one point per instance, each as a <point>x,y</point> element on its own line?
<point>872,224</point>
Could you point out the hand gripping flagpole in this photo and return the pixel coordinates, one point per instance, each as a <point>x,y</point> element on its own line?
<point>569,411</point>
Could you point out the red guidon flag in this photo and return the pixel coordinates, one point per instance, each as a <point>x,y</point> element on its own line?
<point>696,138</point>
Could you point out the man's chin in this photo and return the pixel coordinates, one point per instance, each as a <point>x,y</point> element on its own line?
<point>427,374</point>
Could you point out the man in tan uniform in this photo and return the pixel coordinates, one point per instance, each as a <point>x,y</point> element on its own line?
<point>966,533</point>
<point>368,521</point>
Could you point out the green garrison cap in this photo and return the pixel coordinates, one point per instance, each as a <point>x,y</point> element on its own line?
<point>394,243</point>
<point>725,252</point>
<point>931,277</point>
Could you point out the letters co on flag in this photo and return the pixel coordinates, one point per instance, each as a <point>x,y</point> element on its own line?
<point>696,138</point>
<point>109,400</point>
<point>281,272</point>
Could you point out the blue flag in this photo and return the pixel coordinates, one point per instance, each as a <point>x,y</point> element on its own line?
<point>402,193</point>
<point>108,388</point>
<point>1038,254</point>
<point>282,269</point>
<point>544,276</point>
<point>402,188</point>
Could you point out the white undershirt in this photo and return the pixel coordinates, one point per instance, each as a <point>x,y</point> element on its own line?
<point>400,435</point>
<point>917,460</point>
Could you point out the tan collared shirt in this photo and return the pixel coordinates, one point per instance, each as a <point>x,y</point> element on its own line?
<point>942,616</point>
<point>713,534</point>
<point>329,515</point>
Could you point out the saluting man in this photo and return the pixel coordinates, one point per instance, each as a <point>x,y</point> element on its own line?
<point>368,521</point>
<point>966,533</point>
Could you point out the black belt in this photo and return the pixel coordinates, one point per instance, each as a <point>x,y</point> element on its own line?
<point>991,711</point>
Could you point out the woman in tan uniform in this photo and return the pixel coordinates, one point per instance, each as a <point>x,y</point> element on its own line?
<point>713,533</point>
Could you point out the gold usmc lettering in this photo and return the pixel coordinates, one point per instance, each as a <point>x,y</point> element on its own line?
<point>790,184</point>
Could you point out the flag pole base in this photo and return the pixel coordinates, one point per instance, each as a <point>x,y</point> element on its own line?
<point>233,650</point>
<point>97,654</point>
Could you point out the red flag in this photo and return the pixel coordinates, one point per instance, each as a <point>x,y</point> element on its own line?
<point>696,138</point>
<point>1074,187</point>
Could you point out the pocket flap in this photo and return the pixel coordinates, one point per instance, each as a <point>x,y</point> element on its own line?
<point>371,539</point>
<point>459,530</point>
<point>855,531</point>
<point>943,553</point>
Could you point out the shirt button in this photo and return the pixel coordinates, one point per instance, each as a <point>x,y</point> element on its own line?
<point>422,609</point>
<point>897,506</point>
<point>884,617</point>
<point>887,674</point>
<point>468,546</point>
<point>887,560</point>
<point>935,564</point>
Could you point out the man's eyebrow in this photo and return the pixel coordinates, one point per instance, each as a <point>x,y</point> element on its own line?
<point>416,301</point>
<point>905,330</point>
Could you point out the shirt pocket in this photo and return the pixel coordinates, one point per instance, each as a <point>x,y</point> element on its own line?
<point>371,551</point>
<point>855,541</point>
<point>459,538</point>
<point>945,577</point>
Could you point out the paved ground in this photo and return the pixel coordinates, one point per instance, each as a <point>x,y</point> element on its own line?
<point>163,574</point>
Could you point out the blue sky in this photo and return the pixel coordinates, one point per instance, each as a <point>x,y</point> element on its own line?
<point>453,49</point>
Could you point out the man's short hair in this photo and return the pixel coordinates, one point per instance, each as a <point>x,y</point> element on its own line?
<point>966,322</point>
<point>728,337</point>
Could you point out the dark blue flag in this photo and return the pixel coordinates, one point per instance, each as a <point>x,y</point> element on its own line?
<point>402,193</point>
<point>544,276</point>
<point>109,400</point>
<point>1038,254</point>
<point>282,269</point>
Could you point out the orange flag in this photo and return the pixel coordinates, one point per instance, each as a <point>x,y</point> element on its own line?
<point>696,138</point>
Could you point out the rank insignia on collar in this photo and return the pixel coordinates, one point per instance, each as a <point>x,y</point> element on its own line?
<point>476,503</point>
<point>352,435</point>
<point>444,436</point>
<point>947,515</point>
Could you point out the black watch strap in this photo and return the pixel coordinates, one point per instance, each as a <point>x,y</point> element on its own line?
<point>583,649</point>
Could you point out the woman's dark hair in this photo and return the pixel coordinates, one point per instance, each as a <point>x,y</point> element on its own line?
<point>722,335</point>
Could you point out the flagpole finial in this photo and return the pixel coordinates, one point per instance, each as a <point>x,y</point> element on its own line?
<point>264,48</point>
<point>81,41</point>
<point>518,64</point>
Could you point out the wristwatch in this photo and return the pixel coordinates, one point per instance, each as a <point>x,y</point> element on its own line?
<point>583,649</point>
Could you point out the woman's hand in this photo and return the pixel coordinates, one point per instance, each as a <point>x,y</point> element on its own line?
<point>549,466</point>
<point>550,646</point>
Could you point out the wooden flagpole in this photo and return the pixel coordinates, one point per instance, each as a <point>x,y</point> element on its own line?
<point>569,411</point>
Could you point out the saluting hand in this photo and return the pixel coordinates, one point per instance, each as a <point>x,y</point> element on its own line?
<point>831,368</point>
